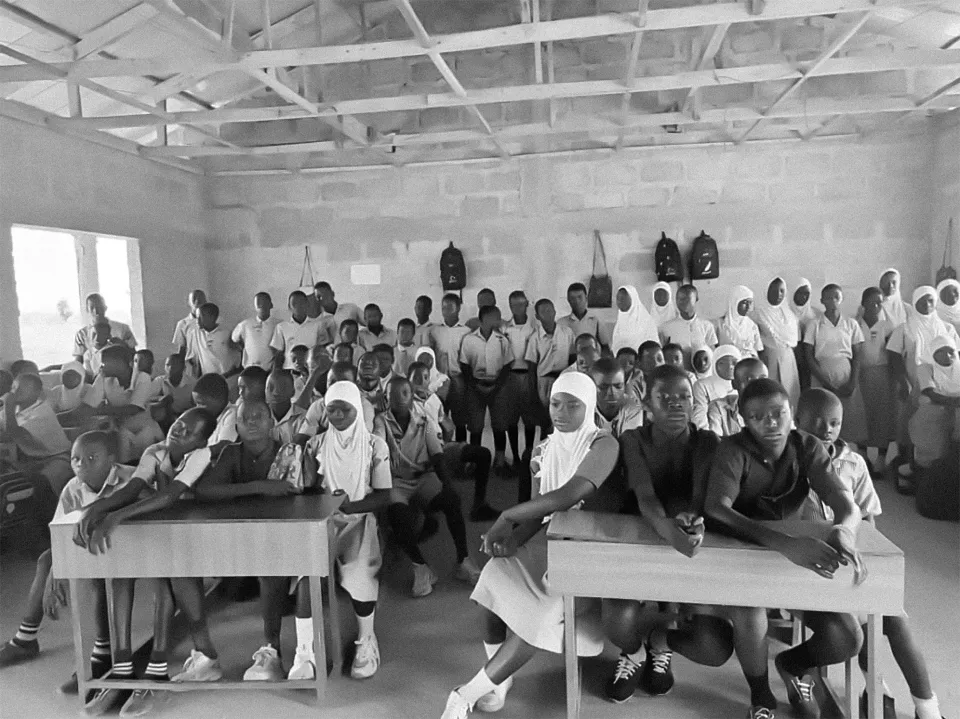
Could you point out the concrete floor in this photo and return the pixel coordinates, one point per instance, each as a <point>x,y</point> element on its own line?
<point>430,645</point>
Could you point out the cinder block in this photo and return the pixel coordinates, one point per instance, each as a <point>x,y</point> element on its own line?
<point>792,193</point>
<point>616,173</point>
<point>635,262</point>
<point>572,177</point>
<point>509,180</point>
<point>481,269</point>
<point>344,250</point>
<point>462,183</point>
<point>749,192</point>
<point>505,243</point>
<point>657,44</point>
<point>756,165</point>
<point>602,52</point>
<point>695,195</point>
<point>661,171</point>
<point>280,226</point>
<point>648,196</point>
<point>801,37</point>
<point>568,201</point>
<point>233,226</point>
<point>439,117</point>
<point>339,191</point>
<point>750,38</point>
<point>424,73</point>
<point>732,257</point>
<point>480,206</point>
<point>603,200</point>
<point>807,164</point>
<point>842,189</point>
<point>421,185</point>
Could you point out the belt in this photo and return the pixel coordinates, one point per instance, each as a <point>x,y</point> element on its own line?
<point>519,371</point>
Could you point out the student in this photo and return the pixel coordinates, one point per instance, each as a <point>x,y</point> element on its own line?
<point>519,329</point>
<point>688,330</point>
<point>67,395</point>
<point>617,409</point>
<point>936,422</point>
<point>803,309</point>
<point>736,328</point>
<point>780,332</point>
<point>29,422</point>
<point>634,324</point>
<point>723,414</point>
<point>315,418</point>
<point>765,473</point>
<point>23,366</point>
<point>894,309</point>
<point>567,468</point>
<point>143,361</point>
<point>300,329</point>
<point>948,308</point>
<point>385,359</point>
<point>254,334</point>
<point>299,371</point>
<point>586,345</point>
<point>548,352</point>
<point>368,380</point>
<point>333,310</point>
<point>211,393</point>
<point>86,347</point>
<point>716,385</point>
<point>586,358</point>
<point>405,353</point>
<point>485,360</point>
<point>445,339</point>
<point>209,348</point>
<point>173,390</point>
<point>821,414</point>
<point>485,298</point>
<point>649,357</point>
<point>421,484</point>
<point>288,417</point>
<point>833,344</point>
<point>252,383</point>
<point>627,359</point>
<point>195,300</point>
<point>422,309</point>
<point>439,383</point>
<point>662,307</point>
<point>876,380</point>
<point>580,320</point>
<point>375,333</point>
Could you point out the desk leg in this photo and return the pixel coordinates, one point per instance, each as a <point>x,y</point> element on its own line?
<point>336,649</point>
<point>849,705</point>
<point>316,615</point>
<point>874,695</point>
<point>570,657</point>
<point>79,651</point>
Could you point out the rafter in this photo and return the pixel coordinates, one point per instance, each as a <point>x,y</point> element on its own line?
<point>113,30</point>
<point>633,59</point>
<point>706,57</point>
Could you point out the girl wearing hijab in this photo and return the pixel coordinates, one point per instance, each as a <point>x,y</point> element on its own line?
<point>736,328</point>
<point>715,386</point>
<point>803,309</point>
<point>894,308</point>
<point>934,423</point>
<point>439,382</point>
<point>948,292</point>
<point>348,459</point>
<point>662,308</point>
<point>567,468</point>
<point>634,324</point>
<point>780,332</point>
<point>69,393</point>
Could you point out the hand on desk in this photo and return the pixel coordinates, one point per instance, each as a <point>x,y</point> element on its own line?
<point>99,541</point>
<point>813,554</point>
<point>273,488</point>
<point>844,541</point>
<point>84,528</point>
<point>684,532</point>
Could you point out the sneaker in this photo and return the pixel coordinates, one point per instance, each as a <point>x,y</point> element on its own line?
<point>199,668</point>
<point>494,701</point>
<point>103,700</point>
<point>304,667</point>
<point>457,707</point>
<point>889,707</point>
<point>761,713</point>
<point>467,571</point>
<point>657,676</point>
<point>16,653</point>
<point>484,513</point>
<point>367,659</point>
<point>799,692</point>
<point>266,667</point>
<point>625,680</point>
<point>142,702</point>
<point>423,580</point>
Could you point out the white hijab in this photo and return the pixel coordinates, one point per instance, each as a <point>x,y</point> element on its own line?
<point>662,315</point>
<point>893,306</point>
<point>635,326</point>
<point>564,451</point>
<point>778,320</point>
<point>737,324</point>
<point>924,329</point>
<point>946,380</point>
<point>346,456</point>
<point>804,312</point>
<point>945,311</point>
<point>63,399</point>
<point>437,378</point>
<point>709,372</point>
<point>715,385</point>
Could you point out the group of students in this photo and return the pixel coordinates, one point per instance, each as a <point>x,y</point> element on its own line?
<point>332,398</point>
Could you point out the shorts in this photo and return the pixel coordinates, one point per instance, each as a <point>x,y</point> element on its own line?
<point>525,404</point>
<point>417,491</point>
<point>496,399</point>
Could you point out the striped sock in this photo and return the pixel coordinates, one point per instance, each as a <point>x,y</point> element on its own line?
<point>101,651</point>
<point>123,670</point>
<point>26,633</point>
<point>157,668</point>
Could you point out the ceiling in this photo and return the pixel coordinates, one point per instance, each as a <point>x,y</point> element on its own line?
<point>239,86</point>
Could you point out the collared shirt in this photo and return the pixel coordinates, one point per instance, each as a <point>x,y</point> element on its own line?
<point>226,429</point>
<point>833,340</point>
<point>403,357</point>
<point>421,337</point>
<point>182,330</point>
<point>723,417</point>
<point>445,342</point>
<point>519,336</point>
<point>376,476</point>
<point>76,495</point>
<point>290,425</point>
<point>368,340</point>
<point>237,465</point>
<point>589,324</point>
<point>109,390</point>
<point>410,450</point>
<point>156,469</point>
<point>767,489</point>
<point>182,393</point>
<point>853,473</point>
<point>874,350</point>
<point>355,349</point>
<point>85,343</point>
<point>486,356</point>
<point>212,349</point>
<point>255,335</point>
<point>688,334</point>
<point>551,352</point>
<point>629,416</point>
<point>289,334</point>
<point>345,311</point>
<point>40,421</point>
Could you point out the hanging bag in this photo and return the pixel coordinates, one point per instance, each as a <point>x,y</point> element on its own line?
<point>307,281</point>
<point>667,261</point>
<point>705,258</point>
<point>600,289</point>
<point>946,271</point>
<point>453,270</point>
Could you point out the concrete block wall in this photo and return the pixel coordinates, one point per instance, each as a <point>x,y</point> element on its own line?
<point>828,210</point>
<point>945,196</point>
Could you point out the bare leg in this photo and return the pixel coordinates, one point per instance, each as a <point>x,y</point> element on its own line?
<point>272,593</point>
<point>511,656</point>
<point>496,629</point>
<point>188,592</point>
<point>621,622</point>
<point>907,655</point>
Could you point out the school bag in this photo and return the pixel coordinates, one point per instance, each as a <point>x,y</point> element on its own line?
<point>705,258</point>
<point>667,261</point>
<point>600,289</point>
<point>947,271</point>
<point>938,492</point>
<point>453,270</point>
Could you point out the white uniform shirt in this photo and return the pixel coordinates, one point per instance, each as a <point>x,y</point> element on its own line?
<point>255,336</point>
<point>289,334</point>
<point>211,348</point>
<point>156,469</point>
<point>445,342</point>
<point>688,334</point>
<point>486,357</point>
<point>40,421</point>
<point>368,340</point>
<point>519,336</point>
<point>85,343</point>
<point>109,390</point>
<point>76,495</point>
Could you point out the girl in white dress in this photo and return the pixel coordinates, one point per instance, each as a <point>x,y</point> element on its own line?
<point>662,307</point>
<point>894,308</point>
<point>780,332</point>
<point>800,303</point>
<point>736,328</point>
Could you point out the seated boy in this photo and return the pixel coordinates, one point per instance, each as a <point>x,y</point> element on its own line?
<point>212,394</point>
<point>348,334</point>
<point>368,380</point>
<point>385,358</point>
<point>406,349</point>
<point>723,414</point>
<point>627,359</point>
<point>421,482</point>
<point>299,356</point>
<point>288,417</point>
<point>252,383</point>
<point>174,391</point>
<point>143,361</point>
<point>764,474</point>
<point>617,409</point>
<point>673,355</point>
<point>820,413</point>
<point>649,357</point>
<point>315,418</point>
<point>583,344</point>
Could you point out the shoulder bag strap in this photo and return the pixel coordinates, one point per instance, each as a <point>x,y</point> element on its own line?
<point>598,250</point>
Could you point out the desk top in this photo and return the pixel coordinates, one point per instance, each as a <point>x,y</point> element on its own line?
<point>632,529</point>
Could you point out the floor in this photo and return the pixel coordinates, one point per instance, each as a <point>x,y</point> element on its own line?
<point>430,645</point>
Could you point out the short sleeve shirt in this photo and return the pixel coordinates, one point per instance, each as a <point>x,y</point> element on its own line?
<point>551,352</point>
<point>109,390</point>
<point>629,416</point>
<point>156,469</point>
<point>226,429</point>
<point>376,476</point>
<point>212,349</point>
<point>289,334</point>
<point>421,337</point>
<point>874,350</point>
<point>289,426</point>
<point>853,473</point>
<point>40,421</point>
<point>255,336</point>
<point>596,466</point>
<point>182,394</point>
<point>237,465</point>
<point>486,357</point>
<point>345,311</point>
<point>589,324</point>
<point>829,340</point>
<point>688,334</point>
<point>445,342</point>
<point>76,495</point>
<point>519,336</point>
<point>410,450</point>
<point>723,417</point>
<point>368,340</point>
<point>182,330</point>
<point>85,343</point>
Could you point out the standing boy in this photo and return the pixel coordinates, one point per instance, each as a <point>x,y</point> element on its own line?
<point>580,320</point>
<point>445,340</point>
<point>254,334</point>
<point>375,333</point>
<point>300,329</point>
<point>407,347</point>
<point>519,329</point>
<point>548,352</point>
<point>688,330</point>
<point>209,347</point>
<point>485,298</point>
<point>195,300</point>
<point>422,309</point>
<point>87,346</point>
<point>337,312</point>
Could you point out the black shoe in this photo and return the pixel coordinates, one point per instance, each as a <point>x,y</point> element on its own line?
<point>906,485</point>
<point>484,513</point>
<point>657,676</point>
<point>14,652</point>
<point>757,712</point>
<point>625,680</point>
<point>889,707</point>
<point>97,670</point>
<point>799,692</point>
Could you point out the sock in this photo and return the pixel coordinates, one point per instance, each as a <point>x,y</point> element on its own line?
<point>123,666</point>
<point>476,687</point>
<point>366,624</point>
<point>304,635</point>
<point>157,668</point>
<point>101,651</point>
<point>491,649</point>
<point>927,708</point>
<point>760,694</point>
<point>798,660</point>
<point>26,633</point>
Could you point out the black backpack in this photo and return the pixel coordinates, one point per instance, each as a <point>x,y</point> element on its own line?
<point>669,265</point>
<point>705,258</point>
<point>453,270</point>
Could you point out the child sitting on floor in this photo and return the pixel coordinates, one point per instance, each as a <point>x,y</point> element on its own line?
<point>723,415</point>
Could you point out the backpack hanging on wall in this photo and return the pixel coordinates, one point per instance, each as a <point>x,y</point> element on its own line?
<point>667,261</point>
<point>705,258</point>
<point>946,271</point>
<point>600,289</point>
<point>453,270</point>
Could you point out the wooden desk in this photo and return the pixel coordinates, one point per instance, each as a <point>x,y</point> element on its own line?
<point>287,536</point>
<point>591,554</point>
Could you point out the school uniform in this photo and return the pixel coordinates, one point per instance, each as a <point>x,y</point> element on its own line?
<point>368,340</point>
<point>51,453</point>
<point>689,334</point>
<point>290,425</point>
<point>833,351</point>
<point>137,431</point>
<point>933,427</point>
<point>85,343</point>
<point>852,471</point>
<point>290,333</point>
<point>742,333</point>
<point>445,342</point>
<point>344,311</point>
<point>551,353</point>
<point>411,451</point>
<point>356,351</point>
<point>780,334</point>
<point>255,336</point>
<point>486,358</point>
<point>629,416</point>
<point>182,330</point>
<point>723,417</point>
<point>226,429</point>
<point>315,418</point>
<point>524,405</point>
<point>403,357</point>
<point>589,324</point>
<point>421,336</point>
<point>157,471</point>
<point>76,495</point>
<point>182,393</point>
<point>613,495</point>
<point>876,386</point>
<point>211,350</point>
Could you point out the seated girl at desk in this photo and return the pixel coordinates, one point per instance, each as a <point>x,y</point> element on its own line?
<point>567,468</point>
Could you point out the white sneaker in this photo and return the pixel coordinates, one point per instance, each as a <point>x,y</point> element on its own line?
<point>367,660</point>
<point>199,668</point>
<point>423,580</point>
<point>304,666</point>
<point>266,667</point>
<point>494,701</point>
<point>457,707</point>
<point>467,571</point>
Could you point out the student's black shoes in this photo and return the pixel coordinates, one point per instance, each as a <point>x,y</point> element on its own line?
<point>14,652</point>
<point>799,692</point>
<point>889,707</point>
<point>761,713</point>
<point>625,680</point>
<point>656,679</point>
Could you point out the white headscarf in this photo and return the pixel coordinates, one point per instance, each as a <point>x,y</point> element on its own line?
<point>437,378</point>
<point>709,372</point>
<point>946,380</point>
<point>63,399</point>
<point>945,311</point>
<point>346,456</point>
<point>564,451</point>
<point>777,320</point>
<point>715,385</point>
<point>662,315</point>
<point>635,326</point>
<point>924,329</point>
<point>733,324</point>
<point>804,312</point>
<point>893,307</point>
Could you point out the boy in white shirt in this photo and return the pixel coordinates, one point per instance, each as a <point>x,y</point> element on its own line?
<point>445,340</point>
<point>196,299</point>
<point>548,352</point>
<point>254,334</point>
<point>406,350</point>
<point>288,417</point>
<point>174,391</point>
<point>688,330</point>
<point>212,394</point>
<point>100,333</point>
<point>300,329</point>
<point>209,347</point>
<point>375,333</point>
<point>580,320</point>
<point>422,309</point>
